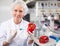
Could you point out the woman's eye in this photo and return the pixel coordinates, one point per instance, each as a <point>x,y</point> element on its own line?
<point>20,11</point>
<point>15,10</point>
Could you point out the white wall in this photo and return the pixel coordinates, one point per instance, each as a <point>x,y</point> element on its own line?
<point>5,13</point>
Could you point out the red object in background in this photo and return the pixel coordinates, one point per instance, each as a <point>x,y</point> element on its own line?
<point>43,39</point>
<point>31,27</point>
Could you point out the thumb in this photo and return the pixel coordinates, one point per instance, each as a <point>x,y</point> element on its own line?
<point>13,33</point>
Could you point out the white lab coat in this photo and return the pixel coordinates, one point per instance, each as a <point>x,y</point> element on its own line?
<point>21,37</point>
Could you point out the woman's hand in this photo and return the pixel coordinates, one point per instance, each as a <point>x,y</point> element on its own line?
<point>10,38</point>
<point>13,34</point>
<point>30,40</point>
<point>5,43</point>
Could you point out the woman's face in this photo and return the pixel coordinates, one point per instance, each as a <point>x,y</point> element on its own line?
<point>18,12</point>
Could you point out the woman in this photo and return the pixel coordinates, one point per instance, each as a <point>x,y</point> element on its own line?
<point>14,31</point>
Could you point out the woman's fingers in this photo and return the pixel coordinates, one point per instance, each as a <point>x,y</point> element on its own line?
<point>11,36</point>
<point>13,33</point>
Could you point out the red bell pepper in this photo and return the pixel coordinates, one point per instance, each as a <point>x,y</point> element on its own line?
<point>43,39</point>
<point>31,27</point>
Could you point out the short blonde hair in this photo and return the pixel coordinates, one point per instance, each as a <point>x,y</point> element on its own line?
<point>22,3</point>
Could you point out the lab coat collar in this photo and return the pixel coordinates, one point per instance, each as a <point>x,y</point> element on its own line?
<point>21,25</point>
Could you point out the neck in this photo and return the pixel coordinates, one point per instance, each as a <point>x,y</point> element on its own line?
<point>17,21</point>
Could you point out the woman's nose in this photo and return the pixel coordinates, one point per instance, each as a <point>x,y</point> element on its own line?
<point>18,13</point>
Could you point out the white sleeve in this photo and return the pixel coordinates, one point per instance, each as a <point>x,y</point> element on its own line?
<point>2,35</point>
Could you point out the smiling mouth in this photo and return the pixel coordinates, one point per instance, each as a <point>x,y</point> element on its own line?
<point>17,16</point>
